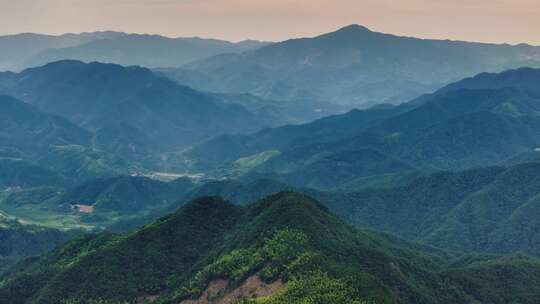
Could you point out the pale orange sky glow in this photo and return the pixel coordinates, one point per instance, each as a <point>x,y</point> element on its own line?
<point>511,21</point>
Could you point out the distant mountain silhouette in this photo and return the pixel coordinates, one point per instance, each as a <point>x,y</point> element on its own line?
<point>28,50</point>
<point>17,50</point>
<point>352,66</point>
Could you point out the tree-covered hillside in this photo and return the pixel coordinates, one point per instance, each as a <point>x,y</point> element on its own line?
<point>287,246</point>
<point>465,125</point>
<point>22,240</point>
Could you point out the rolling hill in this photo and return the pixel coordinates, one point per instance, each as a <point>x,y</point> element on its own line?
<point>286,247</point>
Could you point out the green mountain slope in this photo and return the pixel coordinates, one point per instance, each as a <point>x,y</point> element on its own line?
<point>95,204</point>
<point>461,126</point>
<point>326,129</point>
<point>287,242</point>
<point>128,104</point>
<point>19,173</point>
<point>27,130</point>
<point>16,50</point>
<point>492,209</point>
<point>20,240</point>
<point>487,209</point>
<point>37,148</point>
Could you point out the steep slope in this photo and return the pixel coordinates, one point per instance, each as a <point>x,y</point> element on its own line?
<point>20,173</point>
<point>286,241</point>
<point>20,241</point>
<point>492,209</point>
<point>352,66</point>
<point>454,128</point>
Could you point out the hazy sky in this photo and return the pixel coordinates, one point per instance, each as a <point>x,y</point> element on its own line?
<point>511,21</point>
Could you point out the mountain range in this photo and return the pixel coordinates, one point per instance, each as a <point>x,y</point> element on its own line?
<point>353,167</point>
<point>353,66</point>
<point>72,107</point>
<point>30,50</point>
<point>463,125</point>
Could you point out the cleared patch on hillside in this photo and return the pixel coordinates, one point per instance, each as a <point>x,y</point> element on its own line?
<point>218,291</point>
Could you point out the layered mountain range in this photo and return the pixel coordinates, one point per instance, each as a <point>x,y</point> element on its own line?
<point>223,178</point>
<point>486,120</point>
<point>21,51</point>
<point>353,66</point>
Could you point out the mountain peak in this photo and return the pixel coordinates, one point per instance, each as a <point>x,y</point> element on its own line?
<point>354,28</point>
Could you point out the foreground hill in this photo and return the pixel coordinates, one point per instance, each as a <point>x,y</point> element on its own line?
<point>287,247</point>
<point>29,50</point>
<point>488,209</point>
<point>353,66</point>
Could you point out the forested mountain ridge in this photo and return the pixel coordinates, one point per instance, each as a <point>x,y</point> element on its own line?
<point>461,126</point>
<point>304,252</point>
<point>152,108</point>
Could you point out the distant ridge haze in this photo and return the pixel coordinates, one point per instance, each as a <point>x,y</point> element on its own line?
<point>25,50</point>
<point>501,21</point>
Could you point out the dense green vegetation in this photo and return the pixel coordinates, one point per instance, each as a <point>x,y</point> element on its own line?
<point>97,203</point>
<point>490,209</point>
<point>287,237</point>
<point>39,149</point>
<point>464,125</point>
<point>157,114</point>
<point>328,129</point>
<point>16,172</point>
<point>18,240</point>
